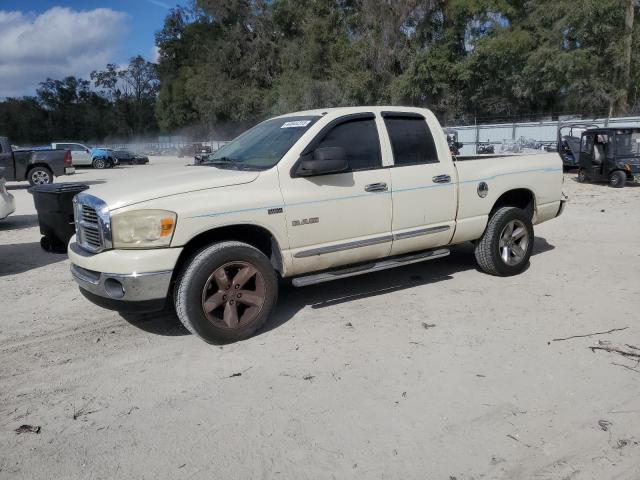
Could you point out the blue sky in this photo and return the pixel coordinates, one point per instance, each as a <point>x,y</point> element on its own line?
<point>47,38</point>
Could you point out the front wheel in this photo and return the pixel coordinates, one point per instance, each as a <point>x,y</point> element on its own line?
<point>505,247</point>
<point>618,179</point>
<point>226,292</point>
<point>99,163</point>
<point>40,176</point>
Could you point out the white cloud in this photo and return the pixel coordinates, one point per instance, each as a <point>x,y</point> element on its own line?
<point>155,54</point>
<point>56,43</point>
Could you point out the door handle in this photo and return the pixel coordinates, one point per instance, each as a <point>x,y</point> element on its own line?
<point>442,179</point>
<point>376,187</point>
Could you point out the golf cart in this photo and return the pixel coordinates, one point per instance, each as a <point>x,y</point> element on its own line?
<point>569,143</point>
<point>611,155</point>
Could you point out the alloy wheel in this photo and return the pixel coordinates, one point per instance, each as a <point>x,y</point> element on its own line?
<point>514,241</point>
<point>40,177</point>
<point>233,295</point>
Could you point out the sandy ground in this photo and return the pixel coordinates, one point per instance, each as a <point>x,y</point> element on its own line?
<point>433,371</point>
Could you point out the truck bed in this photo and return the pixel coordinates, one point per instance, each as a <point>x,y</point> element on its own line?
<point>533,172</point>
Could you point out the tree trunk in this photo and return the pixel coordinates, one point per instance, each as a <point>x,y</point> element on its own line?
<point>625,77</point>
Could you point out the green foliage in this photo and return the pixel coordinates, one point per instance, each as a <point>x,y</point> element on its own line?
<point>464,59</point>
<point>121,106</point>
<point>225,64</point>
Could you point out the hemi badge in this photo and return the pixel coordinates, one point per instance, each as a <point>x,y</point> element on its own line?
<point>273,211</point>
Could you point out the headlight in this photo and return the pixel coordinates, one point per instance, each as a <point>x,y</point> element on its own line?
<point>143,228</point>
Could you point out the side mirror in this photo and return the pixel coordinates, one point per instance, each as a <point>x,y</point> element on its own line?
<point>325,160</point>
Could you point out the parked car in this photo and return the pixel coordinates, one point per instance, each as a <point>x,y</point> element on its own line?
<point>313,196</point>
<point>510,146</point>
<point>611,155</point>
<point>7,202</point>
<point>191,149</point>
<point>485,148</point>
<point>127,157</point>
<point>81,155</point>
<point>37,166</point>
<point>103,157</point>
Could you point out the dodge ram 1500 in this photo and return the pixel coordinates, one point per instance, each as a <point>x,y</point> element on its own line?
<point>315,196</point>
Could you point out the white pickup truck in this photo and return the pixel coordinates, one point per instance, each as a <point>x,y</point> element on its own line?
<point>313,196</point>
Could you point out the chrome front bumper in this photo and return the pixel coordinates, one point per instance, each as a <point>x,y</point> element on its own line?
<point>136,287</point>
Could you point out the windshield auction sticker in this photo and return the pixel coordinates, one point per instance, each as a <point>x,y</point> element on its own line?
<point>296,124</point>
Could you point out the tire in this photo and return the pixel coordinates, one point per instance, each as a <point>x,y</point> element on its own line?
<point>618,179</point>
<point>200,282</point>
<point>582,175</point>
<point>40,176</point>
<point>490,249</point>
<point>99,163</point>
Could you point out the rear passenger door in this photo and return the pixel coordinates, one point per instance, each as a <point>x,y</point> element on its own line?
<point>423,179</point>
<point>340,218</point>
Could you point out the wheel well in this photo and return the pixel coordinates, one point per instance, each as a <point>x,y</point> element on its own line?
<point>256,236</point>
<point>44,165</point>
<point>520,197</point>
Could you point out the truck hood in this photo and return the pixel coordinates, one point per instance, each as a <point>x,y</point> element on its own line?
<point>132,190</point>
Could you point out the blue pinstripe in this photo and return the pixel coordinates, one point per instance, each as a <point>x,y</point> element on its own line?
<point>336,199</point>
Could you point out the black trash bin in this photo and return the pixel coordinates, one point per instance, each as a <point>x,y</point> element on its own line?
<point>54,203</point>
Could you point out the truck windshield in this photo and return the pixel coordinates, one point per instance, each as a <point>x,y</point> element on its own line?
<point>262,146</point>
<point>628,144</point>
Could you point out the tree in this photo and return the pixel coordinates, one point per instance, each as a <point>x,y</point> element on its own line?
<point>132,91</point>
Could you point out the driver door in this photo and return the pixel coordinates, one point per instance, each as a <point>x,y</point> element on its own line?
<point>341,218</point>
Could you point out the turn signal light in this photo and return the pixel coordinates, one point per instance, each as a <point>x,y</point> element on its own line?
<point>166,226</point>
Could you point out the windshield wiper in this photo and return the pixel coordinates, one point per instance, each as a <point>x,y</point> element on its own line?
<point>233,163</point>
<point>224,161</point>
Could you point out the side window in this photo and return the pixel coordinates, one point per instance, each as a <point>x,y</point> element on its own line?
<point>359,139</point>
<point>76,148</point>
<point>587,144</point>
<point>411,140</point>
<point>62,146</point>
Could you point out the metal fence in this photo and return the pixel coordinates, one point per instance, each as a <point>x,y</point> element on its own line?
<point>164,148</point>
<point>526,136</point>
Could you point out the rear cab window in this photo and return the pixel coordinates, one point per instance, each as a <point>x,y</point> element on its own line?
<point>411,139</point>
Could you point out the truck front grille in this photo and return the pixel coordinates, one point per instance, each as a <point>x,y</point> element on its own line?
<point>92,223</point>
<point>89,214</point>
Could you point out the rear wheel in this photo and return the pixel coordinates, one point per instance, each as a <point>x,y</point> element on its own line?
<point>618,179</point>
<point>582,175</point>
<point>506,245</point>
<point>40,176</point>
<point>226,292</point>
<point>99,163</point>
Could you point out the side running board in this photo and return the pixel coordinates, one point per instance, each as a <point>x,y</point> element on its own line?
<point>383,264</point>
